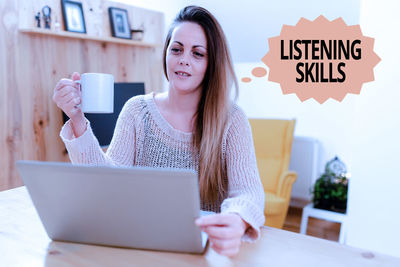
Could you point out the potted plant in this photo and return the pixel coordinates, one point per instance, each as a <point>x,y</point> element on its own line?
<point>330,189</point>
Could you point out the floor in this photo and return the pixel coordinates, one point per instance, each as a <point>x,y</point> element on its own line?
<point>316,227</point>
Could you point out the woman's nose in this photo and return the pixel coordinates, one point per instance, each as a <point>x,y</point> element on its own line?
<point>184,61</point>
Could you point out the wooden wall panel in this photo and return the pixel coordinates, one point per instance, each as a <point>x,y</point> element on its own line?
<point>31,65</point>
<point>11,121</point>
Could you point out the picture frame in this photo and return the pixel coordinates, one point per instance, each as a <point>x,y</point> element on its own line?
<point>74,20</point>
<point>119,22</point>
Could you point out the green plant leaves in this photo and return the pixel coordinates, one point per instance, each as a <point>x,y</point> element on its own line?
<point>330,192</point>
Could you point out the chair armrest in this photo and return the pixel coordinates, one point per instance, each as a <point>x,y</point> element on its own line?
<point>285,183</point>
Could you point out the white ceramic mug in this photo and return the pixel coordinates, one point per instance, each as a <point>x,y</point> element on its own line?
<point>97,92</point>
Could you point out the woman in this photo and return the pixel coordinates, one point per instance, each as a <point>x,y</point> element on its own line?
<point>193,125</point>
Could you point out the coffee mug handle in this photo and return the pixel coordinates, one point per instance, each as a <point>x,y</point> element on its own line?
<point>80,89</point>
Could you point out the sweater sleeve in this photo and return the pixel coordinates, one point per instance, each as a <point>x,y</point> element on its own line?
<point>245,191</point>
<point>86,149</point>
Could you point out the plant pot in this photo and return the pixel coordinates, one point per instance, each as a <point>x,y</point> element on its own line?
<point>331,205</point>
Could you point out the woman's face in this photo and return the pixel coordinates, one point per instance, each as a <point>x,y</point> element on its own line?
<point>186,57</point>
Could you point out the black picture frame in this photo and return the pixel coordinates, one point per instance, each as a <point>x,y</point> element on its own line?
<point>74,20</point>
<point>119,22</point>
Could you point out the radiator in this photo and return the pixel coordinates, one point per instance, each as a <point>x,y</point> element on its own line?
<point>306,159</point>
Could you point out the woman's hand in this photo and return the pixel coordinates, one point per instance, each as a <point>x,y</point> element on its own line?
<point>67,96</point>
<point>224,232</point>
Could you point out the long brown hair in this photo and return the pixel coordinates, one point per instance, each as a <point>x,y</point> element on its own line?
<point>214,104</point>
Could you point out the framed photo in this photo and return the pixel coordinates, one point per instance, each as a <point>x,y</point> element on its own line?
<point>119,23</point>
<point>74,20</point>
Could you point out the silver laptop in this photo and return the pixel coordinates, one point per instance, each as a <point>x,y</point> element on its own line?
<point>133,207</point>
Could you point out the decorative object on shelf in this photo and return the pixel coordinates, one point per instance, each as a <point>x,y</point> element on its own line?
<point>46,11</point>
<point>57,25</point>
<point>37,18</point>
<point>74,20</point>
<point>137,34</point>
<point>119,23</point>
<point>330,189</point>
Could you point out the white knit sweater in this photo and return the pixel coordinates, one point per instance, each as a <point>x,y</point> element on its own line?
<point>142,137</point>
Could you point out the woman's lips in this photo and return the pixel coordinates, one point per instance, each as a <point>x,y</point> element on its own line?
<point>182,74</point>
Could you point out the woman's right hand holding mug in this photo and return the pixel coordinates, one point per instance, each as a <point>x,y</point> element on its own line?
<point>67,96</point>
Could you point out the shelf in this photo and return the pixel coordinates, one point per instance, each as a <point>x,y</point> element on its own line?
<point>83,36</point>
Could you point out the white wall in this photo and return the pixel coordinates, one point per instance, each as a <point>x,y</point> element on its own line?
<point>375,188</point>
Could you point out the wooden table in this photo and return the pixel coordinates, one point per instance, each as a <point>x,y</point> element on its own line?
<point>23,242</point>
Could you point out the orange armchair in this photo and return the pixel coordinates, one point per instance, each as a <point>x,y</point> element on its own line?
<point>273,145</point>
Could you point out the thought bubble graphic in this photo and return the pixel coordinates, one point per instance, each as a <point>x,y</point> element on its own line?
<point>257,72</point>
<point>321,59</point>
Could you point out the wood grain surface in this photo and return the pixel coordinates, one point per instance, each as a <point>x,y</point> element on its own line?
<point>23,242</point>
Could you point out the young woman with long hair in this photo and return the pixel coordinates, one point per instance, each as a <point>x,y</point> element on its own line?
<point>194,125</point>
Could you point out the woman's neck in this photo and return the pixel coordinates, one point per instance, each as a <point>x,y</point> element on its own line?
<point>178,108</point>
<point>182,103</point>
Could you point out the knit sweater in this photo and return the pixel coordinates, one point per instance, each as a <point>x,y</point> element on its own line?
<point>143,137</point>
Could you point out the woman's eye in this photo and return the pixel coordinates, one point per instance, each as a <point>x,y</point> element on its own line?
<point>175,50</point>
<point>198,54</point>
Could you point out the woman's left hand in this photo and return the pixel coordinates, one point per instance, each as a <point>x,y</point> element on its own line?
<point>224,231</point>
